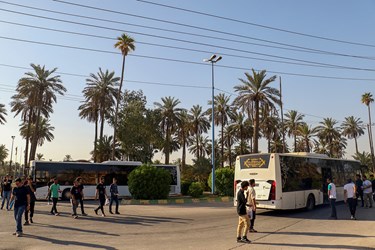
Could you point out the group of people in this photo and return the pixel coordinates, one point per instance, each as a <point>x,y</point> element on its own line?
<point>23,196</point>
<point>246,210</point>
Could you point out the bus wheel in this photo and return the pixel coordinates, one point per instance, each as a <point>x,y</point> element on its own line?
<point>310,204</point>
<point>65,194</point>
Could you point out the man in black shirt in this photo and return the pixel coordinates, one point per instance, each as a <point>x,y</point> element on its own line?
<point>22,202</point>
<point>6,184</point>
<point>101,193</point>
<point>31,187</point>
<point>81,196</point>
<point>113,189</point>
<point>243,219</point>
<point>75,196</point>
<point>358,185</point>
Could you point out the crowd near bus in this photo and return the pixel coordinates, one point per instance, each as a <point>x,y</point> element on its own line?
<point>297,180</point>
<point>74,181</point>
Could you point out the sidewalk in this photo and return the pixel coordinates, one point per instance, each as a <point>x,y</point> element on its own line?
<point>177,200</point>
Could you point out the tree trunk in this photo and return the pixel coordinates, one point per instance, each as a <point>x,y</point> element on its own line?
<point>371,141</point>
<point>183,161</point>
<point>222,140</point>
<point>116,111</point>
<point>295,143</point>
<point>96,140</point>
<point>102,120</point>
<point>35,138</point>
<point>356,145</point>
<point>167,148</point>
<point>256,127</point>
<point>26,162</point>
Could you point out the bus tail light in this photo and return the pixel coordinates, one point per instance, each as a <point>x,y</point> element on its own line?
<point>272,195</point>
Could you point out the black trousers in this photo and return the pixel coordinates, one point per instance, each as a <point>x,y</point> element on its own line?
<point>80,201</point>
<point>31,211</point>
<point>333,208</point>
<point>54,204</point>
<point>113,199</point>
<point>360,195</point>
<point>101,204</point>
<point>352,206</point>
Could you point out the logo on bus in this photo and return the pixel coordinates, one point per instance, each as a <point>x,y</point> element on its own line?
<point>254,163</point>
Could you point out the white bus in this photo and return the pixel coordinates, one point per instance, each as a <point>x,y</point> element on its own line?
<point>67,172</point>
<point>293,180</point>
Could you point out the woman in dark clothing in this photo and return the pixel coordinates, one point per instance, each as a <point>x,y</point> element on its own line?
<point>102,195</point>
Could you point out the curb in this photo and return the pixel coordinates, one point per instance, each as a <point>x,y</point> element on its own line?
<point>177,201</point>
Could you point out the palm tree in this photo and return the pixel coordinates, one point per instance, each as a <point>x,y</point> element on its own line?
<point>183,133</point>
<point>3,113</point>
<point>169,121</point>
<point>38,90</point>
<point>352,128</point>
<point>89,110</point>
<point>44,132</point>
<point>3,153</point>
<point>242,129</point>
<point>255,91</point>
<point>104,149</point>
<point>199,125</point>
<point>202,148</point>
<point>222,112</point>
<point>292,122</point>
<point>39,156</point>
<point>68,158</point>
<point>100,93</point>
<point>306,134</point>
<point>367,99</point>
<point>125,44</point>
<point>329,133</point>
<point>364,158</point>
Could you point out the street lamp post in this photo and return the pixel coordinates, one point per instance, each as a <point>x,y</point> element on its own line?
<point>11,152</point>
<point>213,59</point>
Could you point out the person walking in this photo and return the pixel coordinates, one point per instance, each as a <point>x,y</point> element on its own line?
<point>31,187</point>
<point>251,195</point>
<point>81,195</point>
<point>49,194</point>
<point>367,192</point>
<point>243,219</point>
<point>22,202</point>
<point>350,198</point>
<point>102,195</point>
<point>75,196</point>
<point>373,186</point>
<point>113,189</point>
<point>358,186</point>
<point>332,197</point>
<point>7,188</point>
<point>54,191</point>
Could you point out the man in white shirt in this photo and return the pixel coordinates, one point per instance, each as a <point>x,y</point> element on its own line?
<point>350,198</point>
<point>251,203</point>
<point>332,197</point>
<point>367,191</point>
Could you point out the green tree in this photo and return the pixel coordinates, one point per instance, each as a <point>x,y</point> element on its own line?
<point>306,135</point>
<point>254,93</point>
<point>242,130</point>
<point>222,114</point>
<point>292,122</point>
<point>352,128</point>
<point>169,123</point>
<point>183,134</point>
<point>199,125</point>
<point>3,113</point>
<point>38,91</point>
<point>202,147</point>
<point>367,99</point>
<point>139,131</point>
<point>329,133</point>
<point>68,158</point>
<point>104,149</point>
<point>365,159</point>
<point>39,156</point>
<point>44,133</point>
<point>125,44</point>
<point>3,153</point>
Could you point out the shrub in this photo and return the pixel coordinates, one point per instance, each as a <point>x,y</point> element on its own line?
<point>149,182</point>
<point>185,187</point>
<point>224,178</point>
<point>196,189</point>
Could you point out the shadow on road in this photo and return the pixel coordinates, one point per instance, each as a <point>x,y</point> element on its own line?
<point>322,212</point>
<point>311,246</point>
<point>68,242</point>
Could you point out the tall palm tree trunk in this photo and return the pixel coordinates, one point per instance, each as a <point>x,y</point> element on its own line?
<point>96,140</point>
<point>371,140</point>
<point>26,160</point>
<point>116,111</point>
<point>295,143</point>
<point>256,127</point>
<point>222,142</point>
<point>183,160</point>
<point>35,137</point>
<point>356,145</point>
<point>167,148</point>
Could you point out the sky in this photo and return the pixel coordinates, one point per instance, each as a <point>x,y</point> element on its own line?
<point>324,74</point>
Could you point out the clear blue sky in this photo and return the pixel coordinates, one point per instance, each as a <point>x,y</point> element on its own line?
<point>315,97</point>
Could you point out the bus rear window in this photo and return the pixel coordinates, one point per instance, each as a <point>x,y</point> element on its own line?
<point>254,161</point>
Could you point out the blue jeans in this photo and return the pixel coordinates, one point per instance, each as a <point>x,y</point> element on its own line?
<point>18,212</point>
<point>6,195</point>
<point>333,208</point>
<point>113,199</point>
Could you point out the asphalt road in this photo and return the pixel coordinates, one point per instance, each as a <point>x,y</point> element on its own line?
<point>188,226</point>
